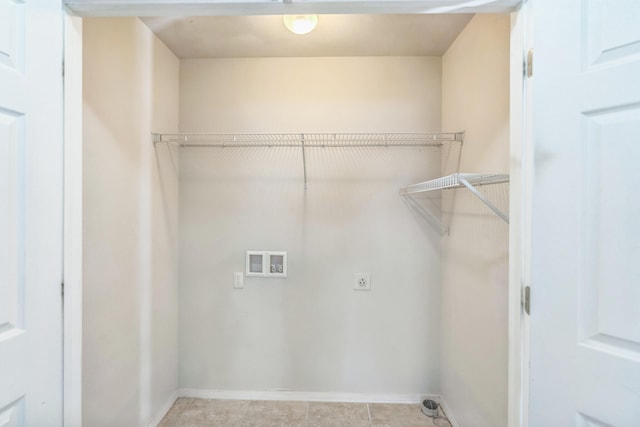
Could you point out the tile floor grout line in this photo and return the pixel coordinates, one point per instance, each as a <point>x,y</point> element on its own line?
<point>246,411</point>
<point>369,413</point>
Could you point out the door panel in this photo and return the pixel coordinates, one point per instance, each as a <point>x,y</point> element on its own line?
<point>11,224</point>
<point>12,108</point>
<point>30,213</point>
<point>609,293</point>
<point>12,415</point>
<point>12,34</point>
<point>610,32</point>
<point>585,322</point>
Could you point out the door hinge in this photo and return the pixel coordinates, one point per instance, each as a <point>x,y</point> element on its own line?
<point>62,289</point>
<point>526,299</point>
<point>529,64</point>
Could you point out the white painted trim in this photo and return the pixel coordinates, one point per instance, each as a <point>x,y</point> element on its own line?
<point>528,176</point>
<point>305,396</point>
<point>72,329</point>
<point>517,214</point>
<point>270,7</point>
<point>448,412</point>
<point>164,409</point>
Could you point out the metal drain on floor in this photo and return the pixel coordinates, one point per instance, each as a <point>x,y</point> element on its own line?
<point>430,408</point>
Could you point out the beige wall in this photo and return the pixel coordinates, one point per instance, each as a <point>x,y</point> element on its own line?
<point>362,94</point>
<point>475,97</point>
<point>130,224</point>
<point>311,331</point>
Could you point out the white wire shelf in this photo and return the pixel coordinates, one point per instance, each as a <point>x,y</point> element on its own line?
<point>459,180</point>
<point>308,140</point>
<point>455,180</point>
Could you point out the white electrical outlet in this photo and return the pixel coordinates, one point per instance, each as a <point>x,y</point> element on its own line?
<point>238,280</point>
<point>362,281</point>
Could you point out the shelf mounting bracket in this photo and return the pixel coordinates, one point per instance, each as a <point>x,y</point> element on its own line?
<point>483,199</point>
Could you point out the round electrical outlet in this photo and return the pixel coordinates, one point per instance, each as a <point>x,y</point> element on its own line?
<point>362,281</point>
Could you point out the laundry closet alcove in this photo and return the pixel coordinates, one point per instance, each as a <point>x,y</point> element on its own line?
<point>168,223</point>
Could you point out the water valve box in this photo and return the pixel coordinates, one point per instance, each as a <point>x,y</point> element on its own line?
<point>266,264</point>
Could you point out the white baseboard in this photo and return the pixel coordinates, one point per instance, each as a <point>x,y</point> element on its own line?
<point>306,396</point>
<point>164,409</point>
<point>448,412</point>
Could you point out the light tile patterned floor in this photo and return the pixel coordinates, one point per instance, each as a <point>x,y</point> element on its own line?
<point>188,412</point>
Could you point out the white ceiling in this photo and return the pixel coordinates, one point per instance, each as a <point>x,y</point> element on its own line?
<point>335,35</point>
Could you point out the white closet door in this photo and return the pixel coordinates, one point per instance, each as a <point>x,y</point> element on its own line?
<point>585,253</point>
<point>30,213</point>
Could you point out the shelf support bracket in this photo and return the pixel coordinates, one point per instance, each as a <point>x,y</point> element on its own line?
<point>484,199</point>
<point>304,161</point>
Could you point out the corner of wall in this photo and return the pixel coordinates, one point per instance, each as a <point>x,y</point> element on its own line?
<point>475,254</point>
<point>130,224</point>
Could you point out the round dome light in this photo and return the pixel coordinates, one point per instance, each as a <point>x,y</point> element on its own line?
<point>300,24</point>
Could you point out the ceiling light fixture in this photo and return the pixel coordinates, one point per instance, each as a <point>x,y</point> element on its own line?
<point>300,24</point>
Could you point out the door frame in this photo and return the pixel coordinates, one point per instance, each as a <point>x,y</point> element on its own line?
<point>520,181</point>
<point>89,8</point>
<point>521,168</point>
<point>72,251</point>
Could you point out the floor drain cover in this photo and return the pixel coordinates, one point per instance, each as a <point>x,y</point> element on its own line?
<point>430,408</point>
